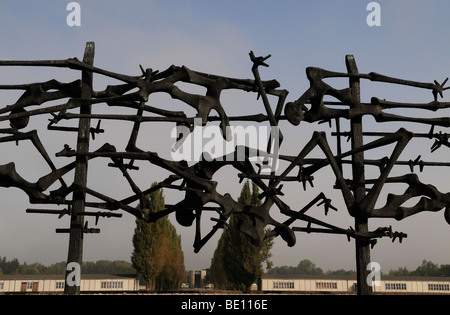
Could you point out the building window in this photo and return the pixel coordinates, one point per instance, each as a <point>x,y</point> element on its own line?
<point>2,285</point>
<point>395,286</point>
<point>111,285</point>
<point>326,285</point>
<point>29,285</point>
<point>438,287</point>
<point>59,284</point>
<point>283,285</point>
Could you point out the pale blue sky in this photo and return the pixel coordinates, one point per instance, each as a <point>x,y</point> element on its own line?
<point>216,37</point>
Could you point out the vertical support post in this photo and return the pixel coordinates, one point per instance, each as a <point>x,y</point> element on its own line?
<point>361,218</point>
<point>339,146</point>
<point>78,204</point>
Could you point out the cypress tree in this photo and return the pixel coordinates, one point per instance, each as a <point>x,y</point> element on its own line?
<point>157,255</point>
<point>237,261</point>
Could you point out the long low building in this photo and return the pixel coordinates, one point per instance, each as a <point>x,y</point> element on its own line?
<point>268,283</point>
<point>55,283</point>
<point>346,284</point>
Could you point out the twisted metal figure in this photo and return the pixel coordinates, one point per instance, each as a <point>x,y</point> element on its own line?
<point>197,180</point>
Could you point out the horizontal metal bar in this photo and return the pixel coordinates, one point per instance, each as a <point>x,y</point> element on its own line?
<point>85,231</point>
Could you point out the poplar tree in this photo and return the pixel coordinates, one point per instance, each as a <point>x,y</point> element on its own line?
<point>157,255</point>
<point>237,262</point>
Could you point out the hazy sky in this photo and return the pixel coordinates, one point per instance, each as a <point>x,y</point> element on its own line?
<point>216,37</point>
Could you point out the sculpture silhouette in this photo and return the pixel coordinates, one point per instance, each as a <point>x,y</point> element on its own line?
<point>197,180</point>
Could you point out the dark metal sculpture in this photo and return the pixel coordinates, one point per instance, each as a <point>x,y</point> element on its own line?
<point>196,180</point>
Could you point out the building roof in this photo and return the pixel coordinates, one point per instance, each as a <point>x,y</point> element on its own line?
<point>346,277</point>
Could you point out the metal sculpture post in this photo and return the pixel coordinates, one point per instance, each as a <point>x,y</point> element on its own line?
<point>359,186</point>
<point>196,178</point>
<point>81,169</point>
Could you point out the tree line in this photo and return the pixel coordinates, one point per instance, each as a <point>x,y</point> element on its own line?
<point>426,269</point>
<point>13,266</point>
<point>307,267</point>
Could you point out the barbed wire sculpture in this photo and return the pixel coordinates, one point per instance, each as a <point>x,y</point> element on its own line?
<point>196,180</point>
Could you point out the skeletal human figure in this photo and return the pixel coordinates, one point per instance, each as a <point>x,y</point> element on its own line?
<point>297,111</point>
<point>432,199</point>
<point>19,117</point>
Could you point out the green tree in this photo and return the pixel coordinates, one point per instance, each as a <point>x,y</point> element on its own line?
<point>445,270</point>
<point>237,262</point>
<point>427,269</point>
<point>173,271</point>
<point>10,267</point>
<point>217,270</point>
<point>401,271</point>
<point>157,254</point>
<point>304,267</point>
<point>307,267</point>
<point>32,269</point>
<point>57,268</point>
<point>107,267</point>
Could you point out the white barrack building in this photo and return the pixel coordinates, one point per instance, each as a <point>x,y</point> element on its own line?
<point>55,283</point>
<point>346,284</point>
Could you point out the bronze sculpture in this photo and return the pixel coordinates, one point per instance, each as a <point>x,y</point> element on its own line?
<point>196,179</point>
